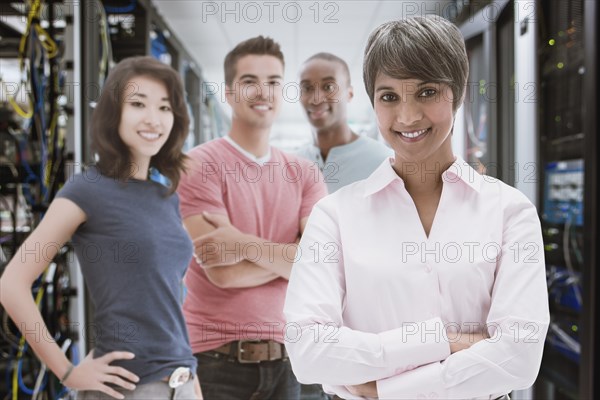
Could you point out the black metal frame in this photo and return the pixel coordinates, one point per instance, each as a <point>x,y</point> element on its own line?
<point>484,24</point>
<point>588,387</point>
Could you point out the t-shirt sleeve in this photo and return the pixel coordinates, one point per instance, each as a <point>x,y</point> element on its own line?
<point>77,188</point>
<point>201,187</point>
<point>314,188</point>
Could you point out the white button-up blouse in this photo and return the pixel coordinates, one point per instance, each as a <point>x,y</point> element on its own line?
<point>371,297</point>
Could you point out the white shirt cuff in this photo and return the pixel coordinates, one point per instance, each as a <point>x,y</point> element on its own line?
<point>422,383</point>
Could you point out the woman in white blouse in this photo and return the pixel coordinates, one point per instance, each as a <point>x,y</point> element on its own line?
<point>427,279</point>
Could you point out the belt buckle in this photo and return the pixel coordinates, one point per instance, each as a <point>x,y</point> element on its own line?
<point>240,350</point>
<point>179,377</point>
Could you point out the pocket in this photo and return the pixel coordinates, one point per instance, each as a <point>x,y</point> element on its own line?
<point>210,358</point>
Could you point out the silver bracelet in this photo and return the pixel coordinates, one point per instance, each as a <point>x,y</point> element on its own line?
<point>67,374</point>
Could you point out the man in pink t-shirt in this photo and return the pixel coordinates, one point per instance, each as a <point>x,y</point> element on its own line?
<point>245,204</point>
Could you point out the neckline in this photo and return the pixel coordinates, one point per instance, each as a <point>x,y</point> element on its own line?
<point>259,160</point>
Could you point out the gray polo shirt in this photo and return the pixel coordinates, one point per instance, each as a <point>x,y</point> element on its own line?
<point>348,163</point>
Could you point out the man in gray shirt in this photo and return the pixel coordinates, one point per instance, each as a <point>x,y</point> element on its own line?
<point>343,156</point>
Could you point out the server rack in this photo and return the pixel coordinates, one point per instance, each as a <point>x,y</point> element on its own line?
<point>34,155</point>
<point>568,193</point>
<point>561,163</point>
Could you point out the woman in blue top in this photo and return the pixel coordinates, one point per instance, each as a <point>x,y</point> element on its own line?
<point>130,243</point>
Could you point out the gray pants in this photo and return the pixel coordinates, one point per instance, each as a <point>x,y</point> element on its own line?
<point>154,390</point>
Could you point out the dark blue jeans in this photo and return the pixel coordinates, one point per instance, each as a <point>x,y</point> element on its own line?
<point>222,377</point>
<point>313,392</point>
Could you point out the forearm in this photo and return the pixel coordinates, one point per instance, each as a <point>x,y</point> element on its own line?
<point>227,246</point>
<point>16,299</point>
<point>277,258</point>
<point>241,275</point>
<point>333,355</point>
<point>457,343</point>
<point>508,361</point>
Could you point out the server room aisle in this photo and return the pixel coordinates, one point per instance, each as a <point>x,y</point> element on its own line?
<point>275,108</point>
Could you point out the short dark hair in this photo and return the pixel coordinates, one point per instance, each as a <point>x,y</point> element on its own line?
<point>429,48</point>
<point>333,58</point>
<point>114,159</point>
<point>259,46</point>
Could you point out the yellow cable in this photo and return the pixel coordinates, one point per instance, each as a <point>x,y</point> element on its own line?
<point>48,44</point>
<point>33,12</point>
<point>48,170</point>
<point>22,113</point>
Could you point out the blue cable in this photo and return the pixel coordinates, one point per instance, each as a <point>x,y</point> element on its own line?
<point>31,176</point>
<point>121,10</point>
<point>22,385</point>
<point>158,46</point>
<point>74,354</point>
<point>8,370</point>
<point>62,392</point>
<point>37,87</point>
<point>41,112</point>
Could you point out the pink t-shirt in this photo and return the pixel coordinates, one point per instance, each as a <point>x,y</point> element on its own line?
<point>267,201</point>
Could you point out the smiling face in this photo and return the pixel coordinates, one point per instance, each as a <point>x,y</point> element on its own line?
<point>146,119</point>
<point>255,97</point>
<point>325,93</point>
<point>415,118</point>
